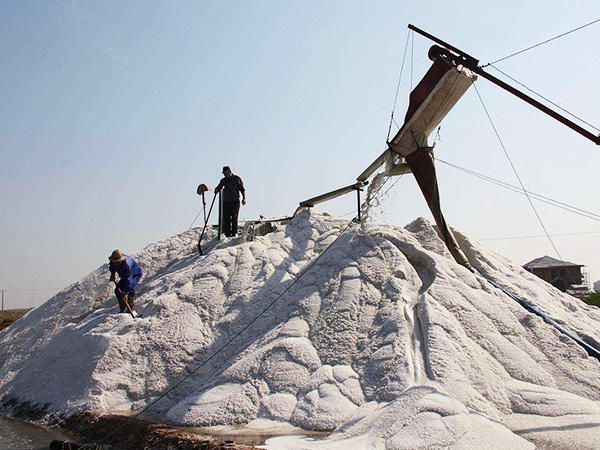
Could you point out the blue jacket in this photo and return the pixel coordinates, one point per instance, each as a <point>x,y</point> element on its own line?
<point>129,273</point>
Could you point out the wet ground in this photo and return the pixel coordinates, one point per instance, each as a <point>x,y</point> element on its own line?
<point>241,434</point>
<point>18,435</point>
<point>117,432</point>
<point>126,433</point>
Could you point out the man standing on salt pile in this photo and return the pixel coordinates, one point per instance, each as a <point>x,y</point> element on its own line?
<point>232,186</point>
<point>129,276</point>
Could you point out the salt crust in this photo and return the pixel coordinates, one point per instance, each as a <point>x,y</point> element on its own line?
<point>382,339</point>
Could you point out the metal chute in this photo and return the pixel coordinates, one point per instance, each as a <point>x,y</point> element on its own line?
<point>430,101</point>
<point>408,151</point>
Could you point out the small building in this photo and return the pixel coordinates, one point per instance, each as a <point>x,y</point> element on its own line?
<point>562,275</point>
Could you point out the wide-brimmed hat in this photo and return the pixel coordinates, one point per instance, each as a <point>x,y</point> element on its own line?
<point>226,169</point>
<point>117,256</point>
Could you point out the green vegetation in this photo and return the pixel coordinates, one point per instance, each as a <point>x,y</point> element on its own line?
<point>9,316</point>
<point>593,299</point>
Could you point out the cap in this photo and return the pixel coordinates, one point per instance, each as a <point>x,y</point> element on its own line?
<point>226,169</point>
<point>117,256</point>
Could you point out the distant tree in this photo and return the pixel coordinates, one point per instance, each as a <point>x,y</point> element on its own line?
<point>593,299</point>
<point>10,316</point>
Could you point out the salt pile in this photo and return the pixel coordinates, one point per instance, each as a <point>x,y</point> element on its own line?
<point>371,332</point>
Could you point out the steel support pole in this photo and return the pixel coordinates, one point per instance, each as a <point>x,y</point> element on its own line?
<point>358,202</point>
<point>220,227</point>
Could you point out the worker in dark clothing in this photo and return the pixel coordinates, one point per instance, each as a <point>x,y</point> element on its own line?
<point>129,276</point>
<point>232,186</point>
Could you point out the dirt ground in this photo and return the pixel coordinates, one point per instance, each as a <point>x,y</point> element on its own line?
<point>125,433</point>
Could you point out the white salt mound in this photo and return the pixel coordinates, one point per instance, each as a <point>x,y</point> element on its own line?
<point>371,332</point>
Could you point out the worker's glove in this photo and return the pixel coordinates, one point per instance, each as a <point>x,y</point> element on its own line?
<point>113,277</point>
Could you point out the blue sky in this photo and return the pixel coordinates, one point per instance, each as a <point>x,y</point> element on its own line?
<point>113,112</point>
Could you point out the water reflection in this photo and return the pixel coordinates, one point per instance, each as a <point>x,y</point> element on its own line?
<point>17,435</point>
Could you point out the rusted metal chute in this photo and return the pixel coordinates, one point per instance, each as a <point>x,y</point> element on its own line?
<point>408,151</point>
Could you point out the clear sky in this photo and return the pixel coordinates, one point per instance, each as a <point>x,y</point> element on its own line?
<point>113,112</point>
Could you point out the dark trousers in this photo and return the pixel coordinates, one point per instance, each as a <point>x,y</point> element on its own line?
<point>119,291</point>
<point>231,211</point>
<point>120,294</point>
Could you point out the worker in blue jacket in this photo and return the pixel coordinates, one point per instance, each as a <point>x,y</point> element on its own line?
<point>129,276</point>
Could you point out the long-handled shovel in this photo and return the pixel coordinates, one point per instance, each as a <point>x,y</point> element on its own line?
<point>126,304</point>
<point>205,225</point>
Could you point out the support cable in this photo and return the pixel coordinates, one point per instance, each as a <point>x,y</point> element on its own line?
<point>398,85</point>
<point>542,43</point>
<point>412,59</point>
<point>546,99</point>
<point>538,236</point>
<point>541,198</point>
<point>390,188</point>
<point>519,178</point>
<point>196,218</point>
